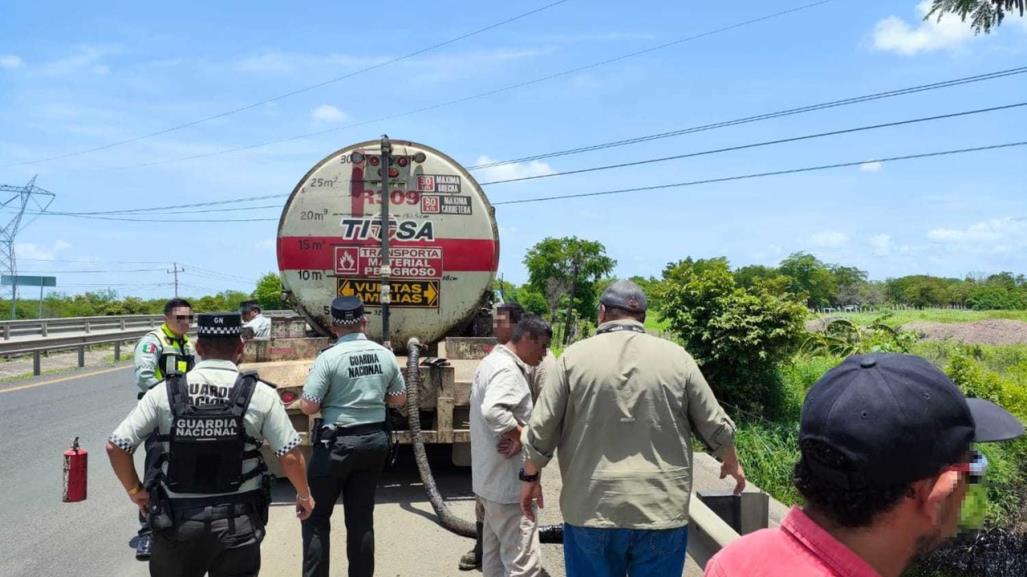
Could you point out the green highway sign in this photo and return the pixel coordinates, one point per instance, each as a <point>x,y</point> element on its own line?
<point>21,280</point>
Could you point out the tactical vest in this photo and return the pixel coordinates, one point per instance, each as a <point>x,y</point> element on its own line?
<point>207,444</point>
<point>174,359</point>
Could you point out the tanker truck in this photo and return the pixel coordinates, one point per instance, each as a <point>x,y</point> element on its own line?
<point>443,255</point>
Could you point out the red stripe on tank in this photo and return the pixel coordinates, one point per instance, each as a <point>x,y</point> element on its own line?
<point>458,254</point>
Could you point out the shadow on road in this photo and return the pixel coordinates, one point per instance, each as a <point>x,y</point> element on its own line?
<point>401,483</point>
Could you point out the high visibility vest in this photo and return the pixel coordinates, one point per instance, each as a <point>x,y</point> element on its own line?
<point>177,355</point>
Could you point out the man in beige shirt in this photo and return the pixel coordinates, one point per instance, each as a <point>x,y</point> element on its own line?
<point>620,407</point>
<point>501,404</point>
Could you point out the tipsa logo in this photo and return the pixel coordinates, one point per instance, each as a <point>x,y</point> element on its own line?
<point>365,228</point>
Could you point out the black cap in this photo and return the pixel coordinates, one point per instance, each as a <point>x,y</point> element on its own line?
<point>347,310</point>
<point>625,295</point>
<point>249,305</point>
<point>897,418</point>
<point>218,324</point>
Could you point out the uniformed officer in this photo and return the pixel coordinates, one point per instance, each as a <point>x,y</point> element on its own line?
<point>350,383</point>
<point>253,318</point>
<point>209,503</point>
<point>164,351</point>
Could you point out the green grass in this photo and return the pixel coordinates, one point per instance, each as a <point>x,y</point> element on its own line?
<point>769,449</point>
<point>899,318</point>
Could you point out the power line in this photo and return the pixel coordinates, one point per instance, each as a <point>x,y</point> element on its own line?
<point>489,92</point>
<point>764,174</point>
<point>761,144</point>
<point>298,90</point>
<point>98,271</point>
<point>761,117</point>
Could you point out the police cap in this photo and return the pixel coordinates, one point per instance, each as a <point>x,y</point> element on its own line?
<point>249,306</point>
<point>347,310</point>
<point>218,324</point>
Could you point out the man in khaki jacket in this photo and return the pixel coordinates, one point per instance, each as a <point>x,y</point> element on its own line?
<point>621,407</point>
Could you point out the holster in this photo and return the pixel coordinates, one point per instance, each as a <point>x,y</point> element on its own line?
<point>323,435</point>
<point>263,505</point>
<point>159,512</point>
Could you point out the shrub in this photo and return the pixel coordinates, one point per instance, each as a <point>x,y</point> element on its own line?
<point>738,336</point>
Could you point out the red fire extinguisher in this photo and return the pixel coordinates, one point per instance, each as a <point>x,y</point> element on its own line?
<point>76,463</point>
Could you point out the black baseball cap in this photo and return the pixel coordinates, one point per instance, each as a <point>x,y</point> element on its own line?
<point>249,305</point>
<point>625,295</point>
<point>897,418</point>
<point>347,310</point>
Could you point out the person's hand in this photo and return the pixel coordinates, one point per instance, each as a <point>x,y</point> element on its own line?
<point>531,492</point>
<point>732,467</point>
<point>142,500</point>
<point>509,444</point>
<point>304,507</point>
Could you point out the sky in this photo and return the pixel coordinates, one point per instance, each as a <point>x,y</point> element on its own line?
<point>94,74</point>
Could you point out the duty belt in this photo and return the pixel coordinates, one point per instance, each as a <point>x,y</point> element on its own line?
<point>326,434</point>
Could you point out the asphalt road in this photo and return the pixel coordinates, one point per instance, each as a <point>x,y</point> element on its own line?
<point>40,535</point>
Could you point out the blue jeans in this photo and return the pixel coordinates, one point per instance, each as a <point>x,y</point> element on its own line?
<point>591,552</point>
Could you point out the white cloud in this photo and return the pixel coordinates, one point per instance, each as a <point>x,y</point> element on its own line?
<point>10,61</point>
<point>328,113</point>
<point>881,243</point>
<point>994,235</point>
<point>30,251</point>
<point>511,171</point>
<point>893,34</point>
<point>829,239</point>
<point>270,62</point>
<point>83,59</point>
<point>870,167</point>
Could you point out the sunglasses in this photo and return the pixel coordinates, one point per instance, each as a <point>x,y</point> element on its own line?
<point>974,468</point>
<point>184,317</point>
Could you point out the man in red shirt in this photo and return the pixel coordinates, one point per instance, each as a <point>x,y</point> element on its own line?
<point>886,459</point>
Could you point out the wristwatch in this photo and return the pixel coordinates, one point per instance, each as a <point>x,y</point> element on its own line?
<point>528,478</point>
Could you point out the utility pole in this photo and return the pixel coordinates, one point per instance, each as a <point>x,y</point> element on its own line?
<point>21,197</point>
<point>175,270</point>
<point>386,272</point>
<point>570,303</point>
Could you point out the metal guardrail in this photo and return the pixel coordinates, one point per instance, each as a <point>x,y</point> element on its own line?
<point>86,332</point>
<point>81,342</point>
<point>707,532</point>
<point>46,327</point>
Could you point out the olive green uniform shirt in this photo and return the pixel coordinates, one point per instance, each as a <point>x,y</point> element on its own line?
<point>620,408</point>
<point>148,352</point>
<point>350,380</point>
<point>211,380</point>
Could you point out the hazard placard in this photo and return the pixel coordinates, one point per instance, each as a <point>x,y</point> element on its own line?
<point>405,293</point>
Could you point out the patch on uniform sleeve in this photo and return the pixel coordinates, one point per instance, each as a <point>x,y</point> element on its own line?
<point>149,348</point>
<point>292,444</point>
<point>123,444</point>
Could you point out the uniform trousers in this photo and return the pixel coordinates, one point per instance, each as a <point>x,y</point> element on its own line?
<point>151,463</point>
<point>222,540</point>
<point>510,545</point>
<point>351,468</point>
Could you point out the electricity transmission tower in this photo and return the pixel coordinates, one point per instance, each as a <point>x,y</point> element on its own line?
<point>21,197</point>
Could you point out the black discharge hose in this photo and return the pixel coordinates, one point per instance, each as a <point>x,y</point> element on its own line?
<point>446,517</point>
<point>448,520</point>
